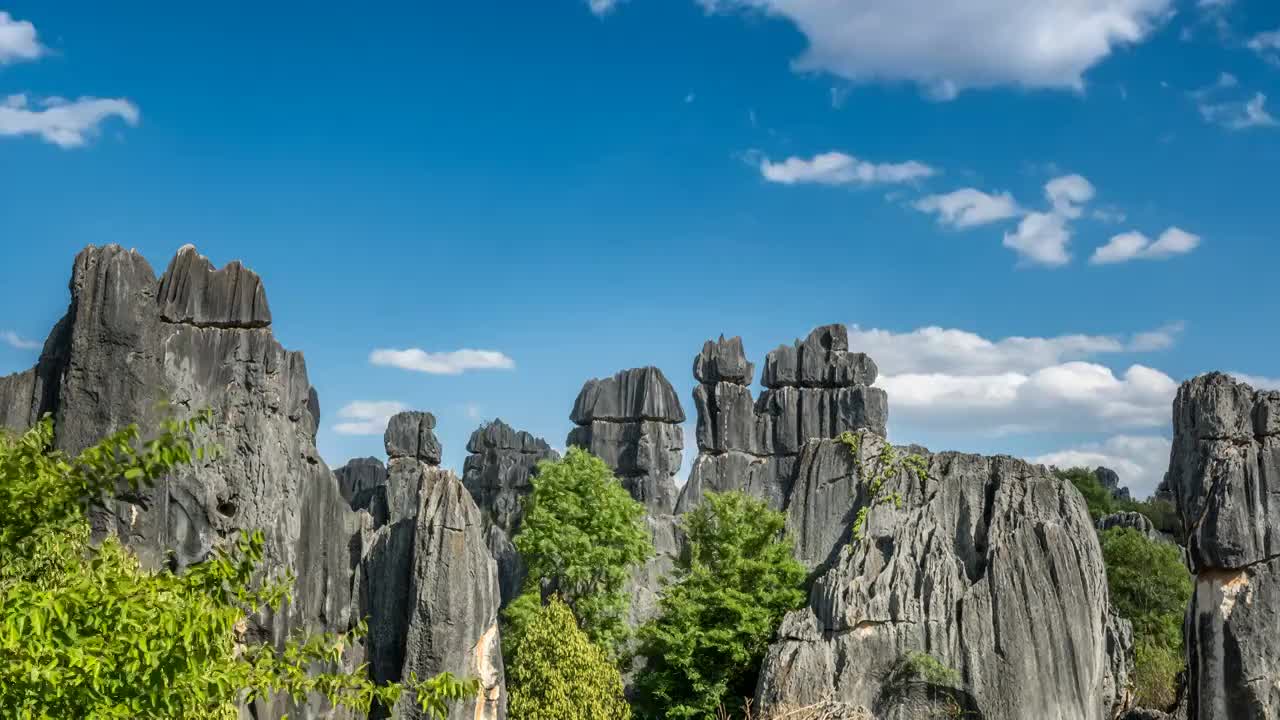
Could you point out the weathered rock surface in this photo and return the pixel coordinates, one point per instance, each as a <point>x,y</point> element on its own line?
<point>198,338</point>
<point>363,484</point>
<point>498,475</point>
<point>816,389</point>
<point>990,565</point>
<point>1224,475</point>
<point>428,583</point>
<point>1135,521</point>
<point>632,422</point>
<point>1110,480</point>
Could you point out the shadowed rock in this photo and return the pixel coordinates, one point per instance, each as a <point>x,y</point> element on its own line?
<point>192,292</point>
<point>1224,475</point>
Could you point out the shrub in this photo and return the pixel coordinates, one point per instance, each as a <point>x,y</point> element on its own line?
<point>561,675</point>
<point>731,588</point>
<point>86,632</point>
<point>580,539</point>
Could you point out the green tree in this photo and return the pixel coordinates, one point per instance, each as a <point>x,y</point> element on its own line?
<point>86,632</point>
<point>1099,499</point>
<point>1151,587</point>
<point>561,674</point>
<point>732,586</point>
<point>580,539</point>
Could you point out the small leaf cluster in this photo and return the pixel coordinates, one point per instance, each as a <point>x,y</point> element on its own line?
<point>580,539</point>
<point>87,632</point>
<point>561,674</point>
<point>888,464</point>
<point>732,586</point>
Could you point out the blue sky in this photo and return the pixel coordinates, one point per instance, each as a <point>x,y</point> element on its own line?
<point>579,187</point>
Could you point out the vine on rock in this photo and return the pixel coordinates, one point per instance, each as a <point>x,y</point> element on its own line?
<point>887,464</point>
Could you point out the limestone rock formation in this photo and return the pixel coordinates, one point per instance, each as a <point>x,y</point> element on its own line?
<point>133,348</point>
<point>816,388</point>
<point>631,421</point>
<point>363,484</point>
<point>497,473</point>
<point>1224,474</point>
<point>428,583</point>
<point>990,565</point>
<point>1136,521</point>
<point>1110,480</point>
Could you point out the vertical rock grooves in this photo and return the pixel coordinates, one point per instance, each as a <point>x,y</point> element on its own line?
<point>1224,475</point>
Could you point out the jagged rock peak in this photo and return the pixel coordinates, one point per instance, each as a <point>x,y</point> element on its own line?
<point>497,435</point>
<point>723,361</point>
<point>630,395</point>
<point>1110,480</point>
<point>820,360</point>
<point>193,292</point>
<point>411,434</point>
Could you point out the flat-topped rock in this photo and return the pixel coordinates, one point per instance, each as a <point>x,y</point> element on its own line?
<point>193,292</point>
<point>820,360</point>
<point>636,394</point>
<point>411,434</point>
<point>723,361</point>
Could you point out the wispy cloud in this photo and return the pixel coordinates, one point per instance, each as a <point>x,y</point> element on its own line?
<point>1239,115</point>
<point>454,362</point>
<point>602,7</point>
<point>1136,246</point>
<point>968,207</point>
<point>18,40</point>
<point>838,168</point>
<point>13,340</point>
<point>1267,45</point>
<point>65,123</point>
<point>367,417</point>
<point>1043,238</point>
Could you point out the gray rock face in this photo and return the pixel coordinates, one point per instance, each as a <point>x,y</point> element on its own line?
<point>498,475</point>
<point>428,583</point>
<point>192,292</point>
<point>363,484</point>
<point>990,565</point>
<point>816,389</point>
<point>1224,475</point>
<point>632,422</point>
<point>1136,521</point>
<point>198,338</point>
<point>1110,480</point>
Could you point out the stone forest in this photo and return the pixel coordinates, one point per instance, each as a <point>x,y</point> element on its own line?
<point>928,584</point>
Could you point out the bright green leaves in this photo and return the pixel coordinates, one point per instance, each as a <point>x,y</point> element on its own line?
<point>886,465</point>
<point>731,589</point>
<point>581,537</point>
<point>86,632</point>
<point>561,674</point>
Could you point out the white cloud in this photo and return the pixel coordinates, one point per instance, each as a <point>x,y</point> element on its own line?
<point>1136,246</point>
<point>364,417</point>
<point>1041,239</point>
<point>949,47</point>
<point>13,340</point>
<point>837,168</point>
<point>1068,193</point>
<point>1139,460</point>
<point>1267,45</point>
<point>602,7</point>
<point>936,350</point>
<point>65,123</point>
<point>1257,381</point>
<point>453,362</point>
<point>17,40</point>
<point>1239,115</point>
<point>969,207</point>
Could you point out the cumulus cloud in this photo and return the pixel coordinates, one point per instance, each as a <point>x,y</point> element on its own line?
<point>952,380</point>
<point>1136,246</point>
<point>602,7</point>
<point>65,123</point>
<point>968,207</point>
<point>933,350</point>
<point>1067,194</point>
<point>949,47</point>
<point>364,417</point>
<point>837,168</point>
<point>454,362</point>
<point>1043,238</point>
<point>1139,460</point>
<point>18,40</point>
<point>13,340</point>
<point>1239,115</point>
<point>1258,382</point>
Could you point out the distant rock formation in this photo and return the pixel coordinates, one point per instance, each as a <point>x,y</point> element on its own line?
<point>1135,521</point>
<point>815,388</point>
<point>498,475</point>
<point>1110,480</point>
<point>1224,476</point>
<point>632,422</point>
<point>428,583</point>
<point>989,565</point>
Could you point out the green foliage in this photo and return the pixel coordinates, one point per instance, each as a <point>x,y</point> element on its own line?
<point>888,464</point>
<point>561,675</point>
<point>86,632</point>
<point>1150,587</point>
<point>580,539</point>
<point>731,589</point>
<point>1162,513</point>
<point>923,667</point>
